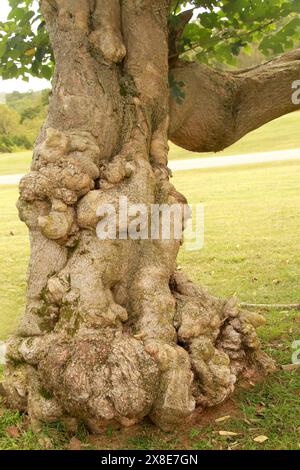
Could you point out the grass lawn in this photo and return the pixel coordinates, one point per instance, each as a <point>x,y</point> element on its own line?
<point>15,163</point>
<point>251,248</point>
<point>14,251</point>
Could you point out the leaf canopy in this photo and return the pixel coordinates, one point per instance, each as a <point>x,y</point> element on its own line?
<point>217,33</point>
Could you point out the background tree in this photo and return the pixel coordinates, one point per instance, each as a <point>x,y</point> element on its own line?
<point>112,331</point>
<point>11,136</point>
<point>32,109</point>
<point>9,120</point>
<point>21,119</point>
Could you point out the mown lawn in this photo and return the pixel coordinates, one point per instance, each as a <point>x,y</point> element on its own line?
<point>15,163</point>
<point>252,225</point>
<point>14,251</point>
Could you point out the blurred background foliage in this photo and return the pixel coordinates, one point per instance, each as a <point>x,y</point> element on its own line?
<point>21,117</point>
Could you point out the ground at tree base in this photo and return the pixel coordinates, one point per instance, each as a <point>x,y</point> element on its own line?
<point>261,409</point>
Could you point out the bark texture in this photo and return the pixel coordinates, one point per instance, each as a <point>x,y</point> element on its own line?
<point>221,107</point>
<point>112,332</point>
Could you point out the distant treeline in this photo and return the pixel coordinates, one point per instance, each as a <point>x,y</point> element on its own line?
<point>21,118</point>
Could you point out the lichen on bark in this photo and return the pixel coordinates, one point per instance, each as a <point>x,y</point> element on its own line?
<point>112,332</point>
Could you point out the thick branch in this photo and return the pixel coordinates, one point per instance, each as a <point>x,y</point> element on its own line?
<point>221,107</point>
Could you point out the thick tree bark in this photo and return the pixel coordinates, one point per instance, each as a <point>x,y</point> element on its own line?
<point>221,107</point>
<point>112,332</point>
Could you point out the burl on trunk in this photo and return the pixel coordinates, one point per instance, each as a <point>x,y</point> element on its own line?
<point>112,332</point>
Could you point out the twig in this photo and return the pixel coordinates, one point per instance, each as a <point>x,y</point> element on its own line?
<point>271,306</point>
<point>177,5</point>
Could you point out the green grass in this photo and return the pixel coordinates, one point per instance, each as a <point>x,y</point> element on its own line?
<point>14,250</point>
<point>251,230</point>
<point>252,225</point>
<point>281,134</point>
<point>15,163</point>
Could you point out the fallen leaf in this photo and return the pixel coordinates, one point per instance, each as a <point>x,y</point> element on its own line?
<point>222,419</point>
<point>228,433</point>
<point>254,420</point>
<point>297,319</point>
<point>13,431</point>
<point>74,444</point>
<point>233,445</point>
<point>45,442</point>
<point>260,439</point>
<point>290,367</point>
<point>260,409</point>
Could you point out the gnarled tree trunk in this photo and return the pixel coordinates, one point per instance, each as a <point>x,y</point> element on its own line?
<point>112,332</point>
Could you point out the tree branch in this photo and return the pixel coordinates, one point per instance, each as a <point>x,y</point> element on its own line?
<point>175,32</point>
<point>220,107</point>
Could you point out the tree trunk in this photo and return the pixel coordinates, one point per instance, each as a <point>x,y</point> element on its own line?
<point>112,333</point>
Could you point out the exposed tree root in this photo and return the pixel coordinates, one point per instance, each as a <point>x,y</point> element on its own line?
<point>108,377</point>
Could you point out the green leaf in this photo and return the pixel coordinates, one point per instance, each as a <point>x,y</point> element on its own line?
<point>2,48</point>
